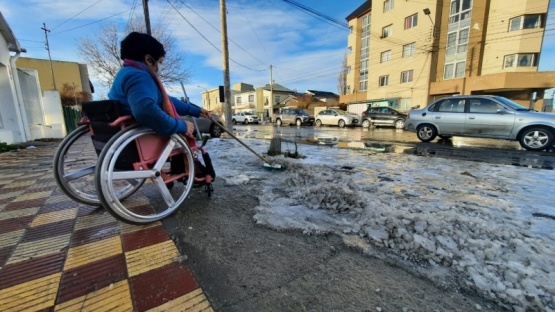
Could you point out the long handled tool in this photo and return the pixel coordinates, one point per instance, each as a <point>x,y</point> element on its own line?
<point>266,164</point>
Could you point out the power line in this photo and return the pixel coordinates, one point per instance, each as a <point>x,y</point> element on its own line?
<point>315,13</point>
<point>206,39</point>
<point>88,24</point>
<point>76,14</point>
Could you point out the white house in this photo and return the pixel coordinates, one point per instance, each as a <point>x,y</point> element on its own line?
<point>13,122</point>
<point>26,113</point>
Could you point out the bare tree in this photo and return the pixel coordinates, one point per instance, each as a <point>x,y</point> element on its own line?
<point>101,52</point>
<point>342,78</point>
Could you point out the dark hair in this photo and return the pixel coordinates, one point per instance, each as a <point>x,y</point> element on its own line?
<point>136,45</point>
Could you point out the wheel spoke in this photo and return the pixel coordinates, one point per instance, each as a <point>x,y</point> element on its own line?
<point>164,191</point>
<point>79,173</point>
<point>135,174</point>
<point>164,156</point>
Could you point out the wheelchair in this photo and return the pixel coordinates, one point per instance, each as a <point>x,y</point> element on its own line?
<point>112,161</point>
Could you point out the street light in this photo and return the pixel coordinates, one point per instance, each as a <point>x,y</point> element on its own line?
<point>207,96</point>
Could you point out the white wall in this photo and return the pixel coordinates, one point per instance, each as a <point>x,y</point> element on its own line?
<point>53,115</point>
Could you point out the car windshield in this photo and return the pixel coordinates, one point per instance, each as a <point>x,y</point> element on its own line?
<point>301,112</point>
<point>511,104</point>
<point>342,112</point>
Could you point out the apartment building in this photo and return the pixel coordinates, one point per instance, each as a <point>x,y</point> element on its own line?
<point>405,53</point>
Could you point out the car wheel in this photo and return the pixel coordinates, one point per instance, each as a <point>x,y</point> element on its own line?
<point>341,123</point>
<point>234,121</point>
<point>445,137</point>
<point>536,139</point>
<point>366,123</point>
<point>278,122</point>
<point>215,131</point>
<point>399,124</point>
<point>299,123</point>
<point>318,123</point>
<point>426,133</point>
<point>246,122</point>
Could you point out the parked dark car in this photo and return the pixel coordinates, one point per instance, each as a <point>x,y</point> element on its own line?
<point>483,116</point>
<point>383,116</point>
<point>207,126</point>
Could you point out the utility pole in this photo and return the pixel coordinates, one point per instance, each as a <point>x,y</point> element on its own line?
<point>46,31</point>
<point>271,94</point>
<point>147,17</point>
<point>225,57</point>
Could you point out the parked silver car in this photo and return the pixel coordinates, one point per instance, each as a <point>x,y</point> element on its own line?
<point>483,116</point>
<point>335,117</point>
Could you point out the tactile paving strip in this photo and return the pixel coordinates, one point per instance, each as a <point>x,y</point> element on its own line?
<point>59,255</point>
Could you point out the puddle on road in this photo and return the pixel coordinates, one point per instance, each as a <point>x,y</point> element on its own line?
<point>439,149</point>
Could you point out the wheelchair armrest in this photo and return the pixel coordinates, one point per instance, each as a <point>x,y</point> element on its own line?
<point>121,121</point>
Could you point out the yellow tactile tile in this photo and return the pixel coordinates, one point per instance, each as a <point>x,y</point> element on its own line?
<point>31,296</point>
<point>18,213</point>
<point>10,238</point>
<point>31,196</point>
<point>115,297</point>
<point>151,257</point>
<point>193,301</point>
<point>56,216</point>
<point>19,184</point>
<point>129,228</point>
<point>88,253</point>
<point>10,194</point>
<point>93,220</point>
<point>33,249</point>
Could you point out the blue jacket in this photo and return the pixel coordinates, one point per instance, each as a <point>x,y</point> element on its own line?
<point>139,96</point>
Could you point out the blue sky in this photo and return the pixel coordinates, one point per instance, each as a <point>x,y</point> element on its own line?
<point>305,52</point>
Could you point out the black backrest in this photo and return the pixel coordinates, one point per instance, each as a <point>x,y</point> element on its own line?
<point>100,115</point>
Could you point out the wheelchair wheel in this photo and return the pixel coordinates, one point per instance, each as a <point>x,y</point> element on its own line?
<point>74,165</point>
<point>156,199</point>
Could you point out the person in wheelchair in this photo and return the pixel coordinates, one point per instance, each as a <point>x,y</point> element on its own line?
<point>141,94</point>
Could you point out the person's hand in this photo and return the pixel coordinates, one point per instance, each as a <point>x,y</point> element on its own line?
<point>205,113</point>
<point>190,127</point>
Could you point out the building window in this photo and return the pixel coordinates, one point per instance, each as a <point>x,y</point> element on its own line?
<point>238,100</point>
<point>348,69</point>
<point>386,56</point>
<point>387,5</point>
<point>276,99</point>
<point>364,53</point>
<point>525,22</point>
<point>460,10</point>
<point>454,70</point>
<point>350,50</point>
<point>409,49</point>
<point>251,98</point>
<point>520,60</point>
<point>387,31</point>
<point>406,76</point>
<point>384,80</point>
<point>350,29</point>
<point>363,85</point>
<point>411,21</point>
<point>457,41</point>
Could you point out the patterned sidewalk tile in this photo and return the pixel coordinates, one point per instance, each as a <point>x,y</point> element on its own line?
<point>59,255</point>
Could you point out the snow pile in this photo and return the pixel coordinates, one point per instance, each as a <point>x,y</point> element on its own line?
<point>471,217</point>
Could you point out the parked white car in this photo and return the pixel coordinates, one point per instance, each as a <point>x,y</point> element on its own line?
<point>244,117</point>
<point>335,117</point>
